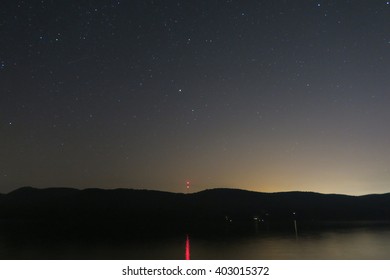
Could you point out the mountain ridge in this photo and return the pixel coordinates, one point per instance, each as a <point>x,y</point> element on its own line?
<point>31,188</point>
<point>215,210</point>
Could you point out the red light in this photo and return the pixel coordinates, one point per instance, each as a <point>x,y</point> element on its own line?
<point>188,248</point>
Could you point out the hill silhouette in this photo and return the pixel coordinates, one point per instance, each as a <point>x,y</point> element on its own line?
<point>129,211</point>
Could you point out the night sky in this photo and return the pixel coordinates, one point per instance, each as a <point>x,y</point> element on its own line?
<point>264,95</point>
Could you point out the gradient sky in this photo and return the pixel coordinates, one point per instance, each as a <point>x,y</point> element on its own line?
<point>265,95</point>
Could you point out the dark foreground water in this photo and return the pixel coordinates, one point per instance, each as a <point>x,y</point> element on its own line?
<point>347,243</point>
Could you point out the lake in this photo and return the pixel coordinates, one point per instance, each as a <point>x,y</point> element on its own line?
<point>338,244</point>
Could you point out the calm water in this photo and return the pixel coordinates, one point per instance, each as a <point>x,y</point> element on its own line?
<point>356,243</point>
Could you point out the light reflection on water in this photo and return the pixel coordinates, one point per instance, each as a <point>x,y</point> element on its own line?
<point>357,243</point>
<point>188,253</point>
<point>340,244</point>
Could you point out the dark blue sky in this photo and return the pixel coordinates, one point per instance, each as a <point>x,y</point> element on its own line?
<point>261,95</point>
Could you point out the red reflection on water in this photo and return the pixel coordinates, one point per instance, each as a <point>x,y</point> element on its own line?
<point>187,247</point>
